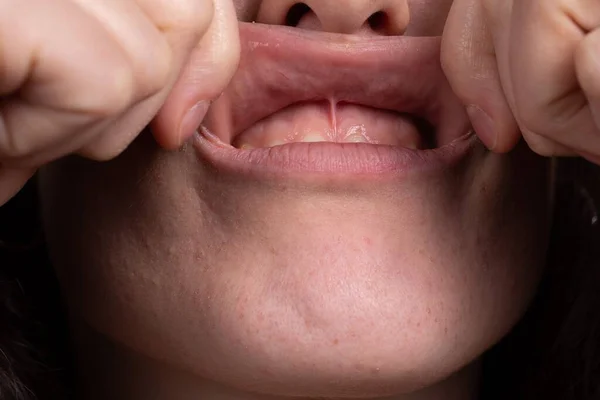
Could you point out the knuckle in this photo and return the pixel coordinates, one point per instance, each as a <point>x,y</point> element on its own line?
<point>549,119</point>
<point>113,93</point>
<point>13,147</point>
<point>154,69</point>
<point>539,145</point>
<point>533,118</point>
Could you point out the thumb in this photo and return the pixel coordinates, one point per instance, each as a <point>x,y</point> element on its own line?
<point>470,64</point>
<point>209,70</point>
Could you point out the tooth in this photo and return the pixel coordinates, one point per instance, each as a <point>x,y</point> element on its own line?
<point>356,138</point>
<point>313,138</point>
<point>276,142</point>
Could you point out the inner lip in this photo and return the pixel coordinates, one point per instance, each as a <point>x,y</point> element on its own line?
<point>426,129</point>
<point>281,67</point>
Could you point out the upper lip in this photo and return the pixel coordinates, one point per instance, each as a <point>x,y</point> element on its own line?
<point>282,66</point>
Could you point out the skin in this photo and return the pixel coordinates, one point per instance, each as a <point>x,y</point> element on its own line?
<point>187,283</point>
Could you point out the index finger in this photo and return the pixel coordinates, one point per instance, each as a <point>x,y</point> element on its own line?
<point>548,100</point>
<point>210,68</point>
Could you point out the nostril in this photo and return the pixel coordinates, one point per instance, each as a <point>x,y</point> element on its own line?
<point>379,22</point>
<point>296,13</point>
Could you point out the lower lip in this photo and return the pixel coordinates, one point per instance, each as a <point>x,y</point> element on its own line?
<point>330,160</point>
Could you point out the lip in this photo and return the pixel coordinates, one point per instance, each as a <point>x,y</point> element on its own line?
<point>333,160</point>
<point>283,66</point>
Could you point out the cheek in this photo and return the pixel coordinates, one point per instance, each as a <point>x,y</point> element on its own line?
<point>286,289</point>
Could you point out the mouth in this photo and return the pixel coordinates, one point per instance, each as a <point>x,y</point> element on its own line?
<point>318,102</point>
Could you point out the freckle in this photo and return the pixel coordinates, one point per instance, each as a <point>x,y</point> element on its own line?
<point>418,324</point>
<point>336,342</point>
<point>241,315</point>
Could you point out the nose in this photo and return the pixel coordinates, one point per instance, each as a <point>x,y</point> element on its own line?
<point>379,17</point>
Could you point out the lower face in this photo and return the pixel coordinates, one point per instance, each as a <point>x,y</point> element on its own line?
<point>355,269</point>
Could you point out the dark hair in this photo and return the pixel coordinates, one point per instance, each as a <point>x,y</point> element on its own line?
<point>553,353</point>
<point>34,350</point>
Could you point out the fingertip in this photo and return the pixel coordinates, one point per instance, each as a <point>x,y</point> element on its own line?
<point>495,126</point>
<point>191,121</point>
<point>483,125</point>
<point>509,135</point>
<point>210,68</point>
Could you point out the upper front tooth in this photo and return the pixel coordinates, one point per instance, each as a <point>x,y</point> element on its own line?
<point>356,138</point>
<point>313,138</point>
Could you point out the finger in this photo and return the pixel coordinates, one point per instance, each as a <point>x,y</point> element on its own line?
<point>175,25</point>
<point>12,181</point>
<point>183,23</point>
<point>210,68</point>
<point>469,61</point>
<point>550,107</point>
<point>143,43</point>
<point>587,66</point>
<point>547,147</point>
<point>58,76</point>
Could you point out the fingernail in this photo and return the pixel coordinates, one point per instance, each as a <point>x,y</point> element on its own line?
<point>192,120</point>
<point>483,125</point>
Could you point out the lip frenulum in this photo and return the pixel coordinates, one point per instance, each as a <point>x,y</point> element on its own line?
<point>282,68</point>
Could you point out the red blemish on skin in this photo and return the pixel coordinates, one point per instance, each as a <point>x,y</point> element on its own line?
<point>359,367</point>
<point>368,241</point>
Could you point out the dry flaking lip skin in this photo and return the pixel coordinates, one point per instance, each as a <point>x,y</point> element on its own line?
<point>294,88</point>
<point>281,69</point>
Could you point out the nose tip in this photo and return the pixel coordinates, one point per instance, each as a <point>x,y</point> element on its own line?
<point>380,17</point>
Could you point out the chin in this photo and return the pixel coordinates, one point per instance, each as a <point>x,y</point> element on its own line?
<point>366,289</point>
<point>353,263</point>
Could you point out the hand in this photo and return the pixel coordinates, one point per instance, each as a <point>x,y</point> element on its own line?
<point>86,76</point>
<point>529,67</point>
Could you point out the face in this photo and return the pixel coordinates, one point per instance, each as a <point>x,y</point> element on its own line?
<point>332,230</point>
